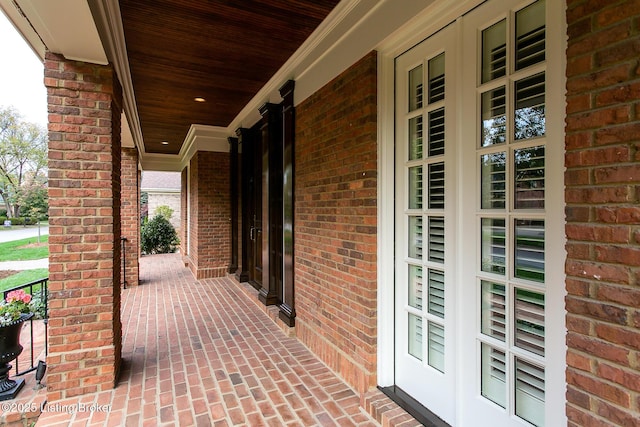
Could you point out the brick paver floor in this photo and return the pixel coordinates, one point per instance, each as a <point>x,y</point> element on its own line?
<point>202,353</point>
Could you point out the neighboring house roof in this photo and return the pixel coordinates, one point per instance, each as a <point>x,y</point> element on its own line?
<point>164,182</point>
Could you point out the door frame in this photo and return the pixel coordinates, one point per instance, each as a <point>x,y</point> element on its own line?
<point>428,22</point>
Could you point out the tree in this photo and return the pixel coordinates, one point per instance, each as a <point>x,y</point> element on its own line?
<point>34,201</point>
<point>23,159</point>
<point>164,211</point>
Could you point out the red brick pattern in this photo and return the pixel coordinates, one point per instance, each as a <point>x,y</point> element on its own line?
<point>603,213</point>
<point>336,223</point>
<point>201,353</point>
<point>84,104</point>
<point>210,205</point>
<point>130,214</point>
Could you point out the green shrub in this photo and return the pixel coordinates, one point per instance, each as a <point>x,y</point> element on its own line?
<point>18,221</point>
<point>158,236</point>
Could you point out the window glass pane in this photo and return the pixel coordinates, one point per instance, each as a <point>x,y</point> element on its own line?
<point>530,108</point>
<point>436,79</point>
<point>530,392</point>
<point>436,186</point>
<point>415,187</point>
<point>529,249</point>
<point>494,119</point>
<point>436,346</point>
<point>436,132</point>
<point>494,375</point>
<point>530,35</point>
<point>529,178</point>
<point>436,239</point>
<point>415,88</point>
<point>415,237</point>
<point>529,316</point>
<point>494,51</point>
<point>493,245</point>
<point>415,336</point>
<point>415,287</point>
<point>494,306</point>
<point>493,170</point>
<point>436,293</point>
<point>415,138</point>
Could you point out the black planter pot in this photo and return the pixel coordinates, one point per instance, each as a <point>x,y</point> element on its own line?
<point>10,349</point>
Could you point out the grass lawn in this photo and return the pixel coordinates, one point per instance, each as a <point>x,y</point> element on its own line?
<point>22,278</point>
<point>25,249</point>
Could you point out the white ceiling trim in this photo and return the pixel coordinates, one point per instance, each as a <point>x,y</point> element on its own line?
<point>203,138</point>
<point>58,23</point>
<point>109,24</point>
<point>160,162</point>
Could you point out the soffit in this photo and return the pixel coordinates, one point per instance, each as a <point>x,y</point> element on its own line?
<point>56,26</point>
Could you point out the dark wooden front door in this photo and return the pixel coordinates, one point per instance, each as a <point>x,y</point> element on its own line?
<point>267,200</point>
<point>271,140</point>
<point>252,195</point>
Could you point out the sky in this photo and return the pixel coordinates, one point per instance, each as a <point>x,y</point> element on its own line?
<point>21,76</point>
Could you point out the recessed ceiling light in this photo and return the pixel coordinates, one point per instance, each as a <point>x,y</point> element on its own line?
<point>165,143</point>
<point>199,99</point>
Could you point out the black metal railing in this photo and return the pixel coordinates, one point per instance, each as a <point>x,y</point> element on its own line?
<point>37,289</point>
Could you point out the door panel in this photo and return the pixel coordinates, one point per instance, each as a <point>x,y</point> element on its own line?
<point>506,348</point>
<point>425,312</point>
<point>254,207</point>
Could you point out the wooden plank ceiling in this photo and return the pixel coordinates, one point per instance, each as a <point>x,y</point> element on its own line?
<point>221,50</point>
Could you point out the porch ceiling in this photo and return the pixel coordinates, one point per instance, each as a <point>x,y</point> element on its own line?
<point>222,51</point>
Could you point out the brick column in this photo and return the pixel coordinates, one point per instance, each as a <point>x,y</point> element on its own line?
<point>85,331</point>
<point>130,213</point>
<point>210,228</point>
<point>603,213</point>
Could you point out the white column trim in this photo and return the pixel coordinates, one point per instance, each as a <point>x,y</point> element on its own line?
<point>386,222</point>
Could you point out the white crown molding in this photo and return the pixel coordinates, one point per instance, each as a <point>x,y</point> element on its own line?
<point>108,21</point>
<point>203,138</point>
<point>160,162</point>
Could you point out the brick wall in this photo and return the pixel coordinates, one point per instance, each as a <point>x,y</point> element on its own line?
<point>335,223</point>
<point>603,213</point>
<point>84,104</point>
<point>130,213</point>
<point>209,186</point>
